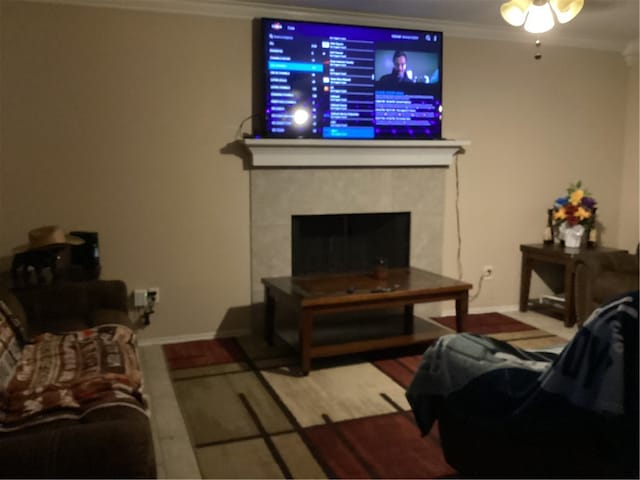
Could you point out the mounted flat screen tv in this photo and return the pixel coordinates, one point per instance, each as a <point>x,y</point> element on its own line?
<point>332,81</point>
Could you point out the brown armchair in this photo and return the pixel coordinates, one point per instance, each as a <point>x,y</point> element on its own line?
<point>602,278</point>
<point>67,306</point>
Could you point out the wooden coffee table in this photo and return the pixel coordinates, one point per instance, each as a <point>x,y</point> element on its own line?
<point>310,297</point>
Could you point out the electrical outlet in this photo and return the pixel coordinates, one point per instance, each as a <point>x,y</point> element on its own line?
<point>154,293</point>
<point>487,272</point>
<point>139,298</point>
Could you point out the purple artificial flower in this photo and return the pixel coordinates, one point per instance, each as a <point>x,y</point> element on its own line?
<point>588,202</point>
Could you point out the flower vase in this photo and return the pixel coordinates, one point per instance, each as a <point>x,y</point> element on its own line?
<point>573,236</point>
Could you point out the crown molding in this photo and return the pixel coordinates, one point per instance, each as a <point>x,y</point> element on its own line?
<point>250,9</point>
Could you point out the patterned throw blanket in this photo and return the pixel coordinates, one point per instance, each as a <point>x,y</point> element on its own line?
<point>66,376</point>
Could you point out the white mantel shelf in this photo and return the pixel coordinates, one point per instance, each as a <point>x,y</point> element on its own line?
<point>276,152</point>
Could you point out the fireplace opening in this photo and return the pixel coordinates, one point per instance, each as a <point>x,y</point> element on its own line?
<point>338,243</point>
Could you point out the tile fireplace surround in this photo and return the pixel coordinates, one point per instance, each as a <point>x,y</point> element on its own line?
<point>277,194</point>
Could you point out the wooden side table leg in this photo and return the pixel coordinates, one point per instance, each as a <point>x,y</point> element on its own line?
<point>269,316</point>
<point>408,319</point>
<point>306,325</point>
<point>525,282</point>
<point>462,308</point>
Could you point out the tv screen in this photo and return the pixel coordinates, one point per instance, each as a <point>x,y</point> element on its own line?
<point>336,81</point>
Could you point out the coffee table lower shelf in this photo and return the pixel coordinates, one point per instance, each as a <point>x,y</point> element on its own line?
<point>369,345</point>
<point>423,332</point>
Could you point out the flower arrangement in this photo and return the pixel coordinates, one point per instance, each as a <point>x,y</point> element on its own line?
<point>576,208</point>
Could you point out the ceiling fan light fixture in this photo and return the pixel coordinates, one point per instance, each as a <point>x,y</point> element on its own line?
<point>514,12</point>
<point>566,10</point>
<point>539,18</point>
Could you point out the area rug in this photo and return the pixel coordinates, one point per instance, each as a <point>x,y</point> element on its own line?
<point>503,327</point>
<point>250,414</point>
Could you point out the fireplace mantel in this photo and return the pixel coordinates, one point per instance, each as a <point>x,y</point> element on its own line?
<point>275,152</point>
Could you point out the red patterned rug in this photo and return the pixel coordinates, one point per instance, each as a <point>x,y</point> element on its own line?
<point>486,323</point>
<point>250,415</point>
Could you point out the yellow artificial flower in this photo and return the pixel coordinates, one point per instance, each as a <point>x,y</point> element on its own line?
<point>560,214</point>
<point>576,196</point>
<point>582,213</point>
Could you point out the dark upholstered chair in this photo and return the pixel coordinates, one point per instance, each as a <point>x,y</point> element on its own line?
<point>504,412</point>
<point>600,279</point>
<point>69,306</point>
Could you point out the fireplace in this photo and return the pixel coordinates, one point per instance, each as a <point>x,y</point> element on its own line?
<point>349,242</point>
<point>280,194</point>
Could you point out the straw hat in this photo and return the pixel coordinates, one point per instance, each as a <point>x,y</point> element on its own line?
<point>47,237</point>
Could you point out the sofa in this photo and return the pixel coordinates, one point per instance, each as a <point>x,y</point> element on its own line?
<point>71,397</point>
<point>603,277</point>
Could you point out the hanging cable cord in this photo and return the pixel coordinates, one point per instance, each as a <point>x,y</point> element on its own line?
<point>239,135</point>
<point>459,254</point>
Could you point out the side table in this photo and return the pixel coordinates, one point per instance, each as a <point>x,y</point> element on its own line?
<point>569,258</point>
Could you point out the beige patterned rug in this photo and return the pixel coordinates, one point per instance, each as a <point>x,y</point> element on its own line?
<point>250,414</point>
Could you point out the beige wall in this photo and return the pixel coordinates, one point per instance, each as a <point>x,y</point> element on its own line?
<point>115,121</point>
<point>628,226</point>
<point>535,127</point>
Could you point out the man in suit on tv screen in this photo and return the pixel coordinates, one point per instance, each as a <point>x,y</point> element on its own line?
<point>398,75</point>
